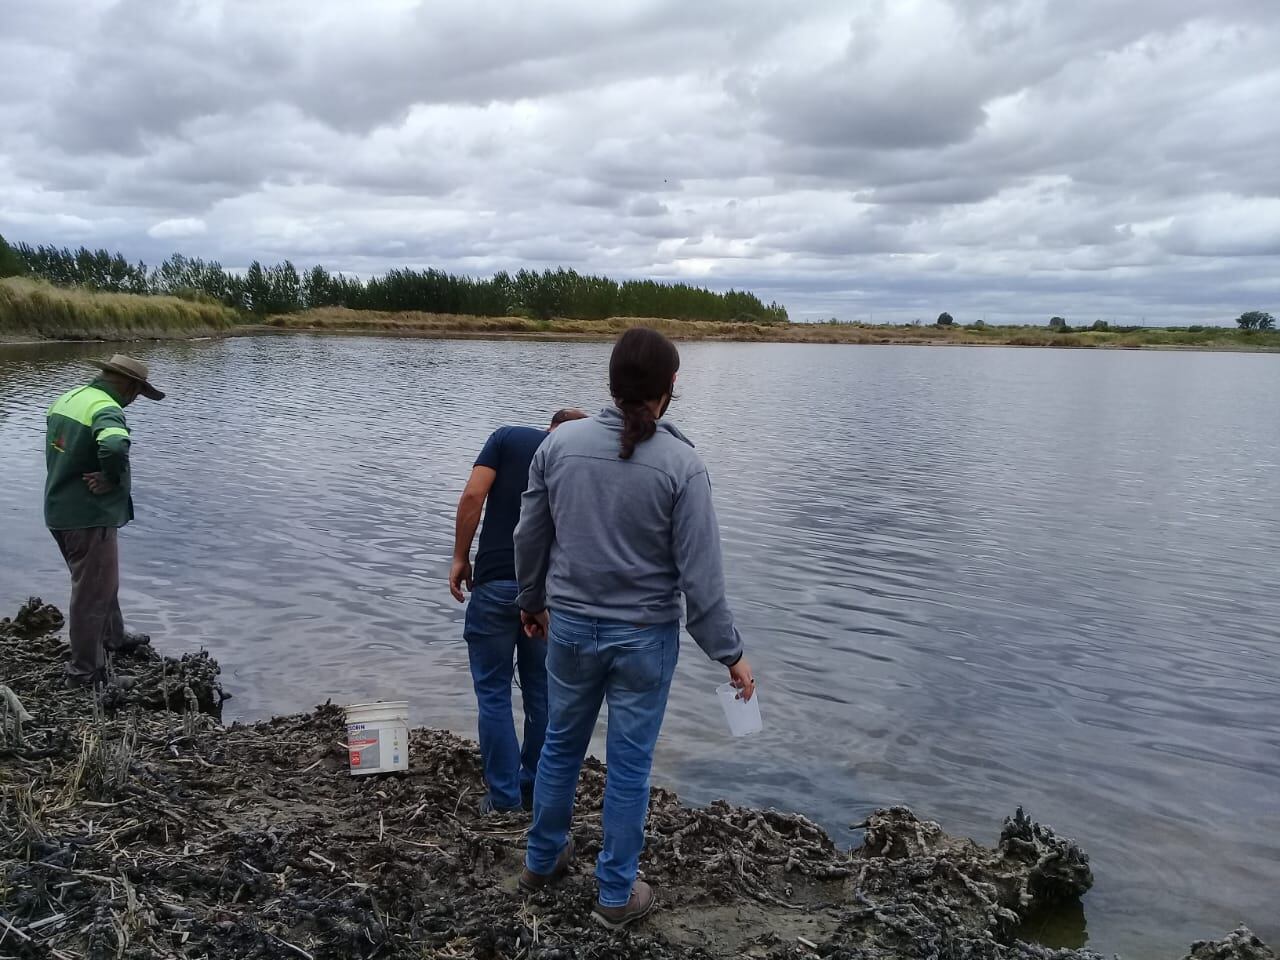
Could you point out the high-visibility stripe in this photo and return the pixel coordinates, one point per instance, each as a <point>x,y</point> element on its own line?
<point>83,404</point>
<point>113,432</point>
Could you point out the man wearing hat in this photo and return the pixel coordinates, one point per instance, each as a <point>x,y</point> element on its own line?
<point>86,500</point>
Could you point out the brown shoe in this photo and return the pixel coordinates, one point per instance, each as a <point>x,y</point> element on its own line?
<point>531,882</point>
<point>638,907</point>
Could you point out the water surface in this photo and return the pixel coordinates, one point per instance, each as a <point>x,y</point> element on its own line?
<point>969,578</point>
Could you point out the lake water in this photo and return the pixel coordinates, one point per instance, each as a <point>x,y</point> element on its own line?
<point>968,578</point>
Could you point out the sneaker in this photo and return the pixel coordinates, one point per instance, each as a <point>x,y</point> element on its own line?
<point>638,907</point>
<point>488,808</point>
<point>531,882</point>
<point>77,682</point>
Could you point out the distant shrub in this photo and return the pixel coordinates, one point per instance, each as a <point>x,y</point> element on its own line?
<point>1101,326</point>
<point>945,319</point>
<point>1256,320</point>
<point>1057,324</point>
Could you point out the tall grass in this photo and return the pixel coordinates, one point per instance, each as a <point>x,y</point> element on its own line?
<point>36,309</point>
<point>341,319</point>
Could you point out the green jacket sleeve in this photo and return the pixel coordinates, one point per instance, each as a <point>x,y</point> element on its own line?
<point>112,436</point>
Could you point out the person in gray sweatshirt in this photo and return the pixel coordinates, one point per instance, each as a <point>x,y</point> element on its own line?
<point>617,523</point>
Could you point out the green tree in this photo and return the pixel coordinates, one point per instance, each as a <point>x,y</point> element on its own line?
<point>256,294</point>
<point>945,319</point>
<point>138,281</point>
<point>1101,326</point>
<point>285,288</point>
<point>318,288</point>
<point>11,264</point>
<point>1256,320</point>
<point>1057,323</point>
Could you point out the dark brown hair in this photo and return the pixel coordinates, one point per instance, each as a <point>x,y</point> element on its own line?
<point>567,414</point>
<point>642,369</point>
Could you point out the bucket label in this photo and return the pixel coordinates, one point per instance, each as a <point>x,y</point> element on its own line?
<point>363,747</point>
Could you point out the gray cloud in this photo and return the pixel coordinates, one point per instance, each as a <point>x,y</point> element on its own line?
<point>1013,158</point>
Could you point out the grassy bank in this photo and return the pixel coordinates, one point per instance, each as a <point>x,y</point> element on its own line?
<point>338,320</point>
<point>412,323</point>
<point>35,310</point>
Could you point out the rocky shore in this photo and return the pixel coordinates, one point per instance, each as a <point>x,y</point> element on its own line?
<point>134,824</point>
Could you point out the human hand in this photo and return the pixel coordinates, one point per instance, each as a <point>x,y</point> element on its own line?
<point>742,680</point>
<point>98,483</point>
<point>459,574</point>
<point>535,624</point>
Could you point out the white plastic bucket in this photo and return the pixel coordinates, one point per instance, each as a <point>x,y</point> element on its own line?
<point>743,715</point>
<point>378,736</point>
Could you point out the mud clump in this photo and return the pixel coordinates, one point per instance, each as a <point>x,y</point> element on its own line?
<point>1240,944</point>
<point>34,619</point>
<point>137,825</point>
<point>180,684</point>
<point>142,678</point>
<point>1048,869</point>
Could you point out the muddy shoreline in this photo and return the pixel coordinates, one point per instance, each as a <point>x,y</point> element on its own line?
<point>136,825</point>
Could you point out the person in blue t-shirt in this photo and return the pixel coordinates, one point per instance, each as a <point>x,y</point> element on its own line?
<point>493,631</point>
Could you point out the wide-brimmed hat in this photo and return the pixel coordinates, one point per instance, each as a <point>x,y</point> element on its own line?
<point>133,369</point>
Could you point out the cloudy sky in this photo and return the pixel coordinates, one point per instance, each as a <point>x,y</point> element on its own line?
<point>1097,159</point>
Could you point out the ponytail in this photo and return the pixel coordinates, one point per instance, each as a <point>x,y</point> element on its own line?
<point>638,425</point>
<point>642,370</point>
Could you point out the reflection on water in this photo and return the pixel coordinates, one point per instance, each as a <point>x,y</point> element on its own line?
<point>969,579</point>
<point>1062,927</point>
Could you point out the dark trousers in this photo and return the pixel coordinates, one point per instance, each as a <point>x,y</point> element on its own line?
<point>93,558</point>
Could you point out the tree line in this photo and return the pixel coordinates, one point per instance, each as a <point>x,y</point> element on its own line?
<point>282,288</point>
<point>1252,320</point>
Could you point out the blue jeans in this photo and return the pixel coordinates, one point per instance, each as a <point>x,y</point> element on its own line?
<point>494,641</point>
<point>630,668</point>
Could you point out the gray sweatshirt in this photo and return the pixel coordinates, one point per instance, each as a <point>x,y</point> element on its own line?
<point>618,539</point>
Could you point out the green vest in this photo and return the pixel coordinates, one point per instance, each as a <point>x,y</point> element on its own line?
<point>86,433</point>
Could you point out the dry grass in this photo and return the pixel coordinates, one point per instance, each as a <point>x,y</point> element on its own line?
<point>340,320</point>
<point>39,310</point>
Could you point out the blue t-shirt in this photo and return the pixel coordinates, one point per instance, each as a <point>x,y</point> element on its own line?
<point>509,451</point>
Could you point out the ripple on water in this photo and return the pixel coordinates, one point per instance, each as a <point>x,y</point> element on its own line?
<point>969,579</point>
